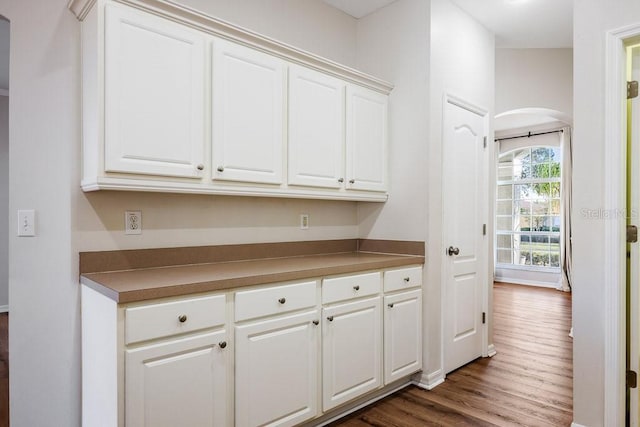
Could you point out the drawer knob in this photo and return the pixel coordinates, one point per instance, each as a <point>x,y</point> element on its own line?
<point>222,344</point>
<point>282,300</point>
<point>316,322</point>
<point>340,180</point>
<point>407,279</point>
<point>351,181</point>
<point>390,305</point>
<point>356,288</point>
<point>182,318</point>
<point>330,318</point>
<point>200,167</point>
<point>220,169</point>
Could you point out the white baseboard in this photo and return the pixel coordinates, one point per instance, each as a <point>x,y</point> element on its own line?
<point>4,308</point>
<point>430,381</point>
<point>359,404</point>
<point>526,282</point>
<point>491,350</point>
<point>577,425</point>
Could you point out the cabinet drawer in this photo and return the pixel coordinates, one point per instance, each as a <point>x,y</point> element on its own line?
<point>349,287</point>
<point>274,300</point>
<point>402,278</point>
<point>169,318</point>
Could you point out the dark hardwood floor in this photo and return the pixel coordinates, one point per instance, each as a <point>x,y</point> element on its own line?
<point>528,383</point>
<point>4,370</point>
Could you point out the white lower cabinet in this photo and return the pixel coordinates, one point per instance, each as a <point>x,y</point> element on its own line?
<point>351,350</point>
<point>402,335</point>
<point>298,350</point>
<point>178,382</point>
<point>277,370</point>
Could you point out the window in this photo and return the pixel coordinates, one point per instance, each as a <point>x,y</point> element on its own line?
<point>528,208</point>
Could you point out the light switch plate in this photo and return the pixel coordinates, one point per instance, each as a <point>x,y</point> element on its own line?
<point>26,223</point>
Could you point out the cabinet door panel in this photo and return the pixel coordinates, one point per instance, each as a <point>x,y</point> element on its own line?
<point>316,129</point>
<point>247,114</point>
<point>402,335</point>
<point>351,351</point>
<point>180,382</point>
<point>154,95</point>
<point>366,139</point>
<point>276,371</point>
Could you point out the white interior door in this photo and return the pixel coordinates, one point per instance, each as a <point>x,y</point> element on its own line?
<point>633,318</point>
<point>464,199</point>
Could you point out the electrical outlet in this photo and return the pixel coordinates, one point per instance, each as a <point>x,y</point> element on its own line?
<point>133,222</point>
<point>26,223</point>
<point>304,221</point>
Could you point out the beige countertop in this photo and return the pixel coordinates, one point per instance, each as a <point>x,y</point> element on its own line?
<point>149,283</point>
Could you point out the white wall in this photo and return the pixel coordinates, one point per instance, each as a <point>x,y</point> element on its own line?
<point>393,44</point>
<point>462,63</point>
<point>311,25</point>
<point>45,162</point>
<point>592,18</point>
<point>534,78</point>
<point>4,203</point>
<point>185,220</point>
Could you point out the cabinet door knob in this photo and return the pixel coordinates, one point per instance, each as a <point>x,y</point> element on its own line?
<point>390,305</point>
<point>330,318</point>
<point>407,279</point>
<point>222,344</point>
<point>220,169</point>
<point>341,180</point>
<point>282,300</point>
<point>351,181</point>
<point>356,288</point>
<point>200,167</point>
<point>316,322</point>
<point>182,318</point>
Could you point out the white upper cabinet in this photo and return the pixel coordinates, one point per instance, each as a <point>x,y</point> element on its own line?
<point>154,95</point>
<point>366,139</point>
<point>316,129</point>
<point>177,101</point>
<point>248,88</point>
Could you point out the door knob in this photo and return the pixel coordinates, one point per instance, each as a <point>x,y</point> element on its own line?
<point>453,251</point>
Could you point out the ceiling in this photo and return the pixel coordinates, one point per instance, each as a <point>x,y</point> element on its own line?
<point>516,23</point>
<point>525,23</point>
<point>358,8</point>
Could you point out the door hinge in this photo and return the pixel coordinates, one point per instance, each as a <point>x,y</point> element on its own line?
<point>632,234</point>
<point>632,379</point>
<point>484,143</point>
<point>484,317</point>
<point>484,229</point>
<point>632,89</point>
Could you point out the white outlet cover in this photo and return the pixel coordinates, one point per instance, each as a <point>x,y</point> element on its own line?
<point>304,221</point>
<point>133,222</point>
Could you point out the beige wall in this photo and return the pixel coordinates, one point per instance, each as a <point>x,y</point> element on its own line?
<point>534,78</point>
<point>592,19</point>
<point>45,162</point>
<point>4,202</point>
<point>462,64</point>
<point>311,25</point>
<point>393,44</point>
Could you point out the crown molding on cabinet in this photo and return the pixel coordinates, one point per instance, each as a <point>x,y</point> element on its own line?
<point>209,24</point>
<point>80,8</point>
